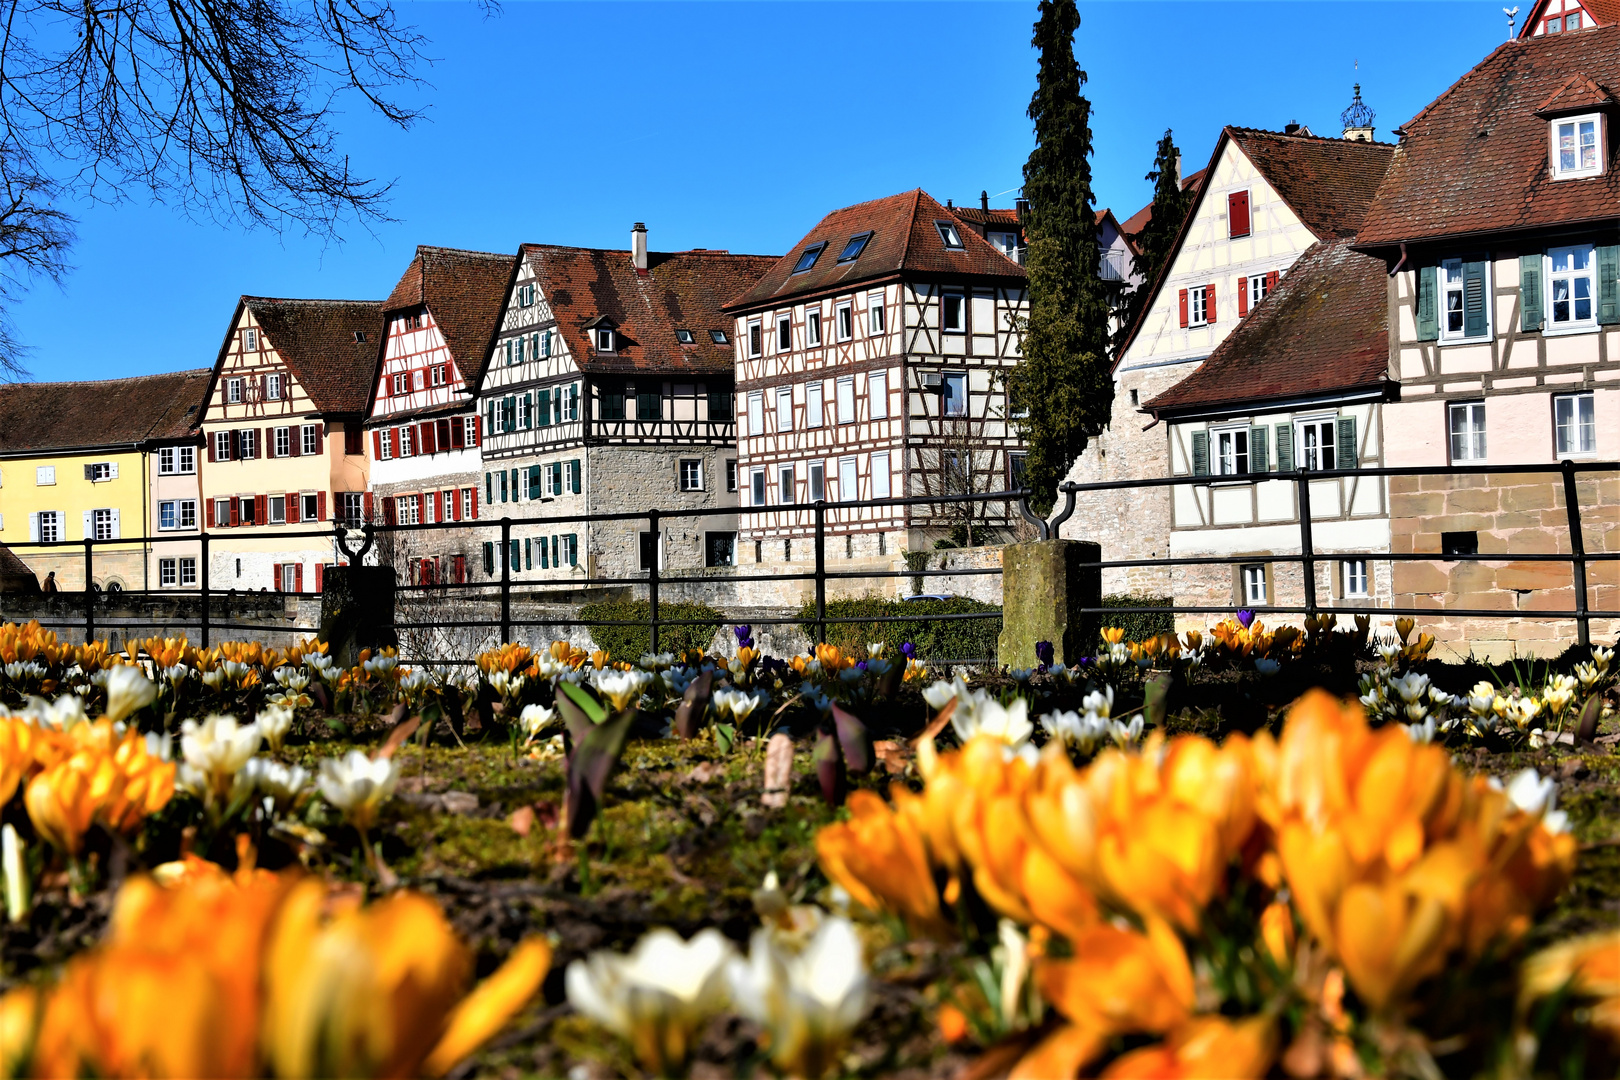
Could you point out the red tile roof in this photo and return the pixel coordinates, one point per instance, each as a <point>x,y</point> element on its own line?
<point>317,341</point>
<point>1324,329</point>
<point>1604,11</point>
<point>115,412</point>
<point>1139,220</point>
<point>465,292</point>
<point>682,290</point>
<point>904,240</point>
<point>994,216</point>
<point>1476,159</point>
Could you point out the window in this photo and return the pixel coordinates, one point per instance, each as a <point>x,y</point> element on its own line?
<point>756,412</point>
<point>718,337</point>
<point>684,337</point>
<point>407,441</point>
<point>756,483</point>
<point>188,513</point>
<point>272,387</point>
<point>1259,286</point>
<point>604,339</point>
<point>1466,314</point>
<point>222,446</point>
<point>720,549</point>
<point>952,313</point>
<point>1231,451</point>
<point>649,550</point>
<point>45,475</point>
<point>250,340</point>
<point>784,485</point>
<point>818,481</point>
<point>169,514</point>
<point>438,375</point>
<point>649,402</point>
<point>400,385</point>
<point>812,326</point>
<point>104,524</point>
<point>756,344</point>
<point>720,405</point>
<point>385,444</point>
<point>245,510</point>
<point>50,526</point>
<point>1459,543</point>
<point>99,473</point>
<point>880,476</point>
<point>409,509</point>
<point>1576,149</point>
<point>784,409</point>
<point>844,320</point>
<point>808,259</point>
<point>691,474</point>
<point>310,439</point>
<point>815,408</point>
<point>1254,584</point>
<point>877,394</point>
<point>354,507</point>
<point>1198,306</point>
<point>278,510</point>
<point>1467,431</point>
<point>846,480</point>
<point>874,313</point>
<point>283,442</point>
<point>1354,577</point>
<point>290,573</point>
<point>166,461</point>
<point>187,460</point>
<point>233,391</point>
<point>1016,465</point>
<point>1575,424</point>
<point>188,571</point>
<point>853,249</point>
<point>846,399</point>
<point>222,512</point>
<point>731,474</point>
<point>249,438</point>
<point>525,407</point>
<point>1237,214</point>
<point>784,333</point>
<point>168,572</point>
<point>1004,242</point>
<point>1314,438</point>
<point>953,394</point>
<point>949,235</point>
<point>1569,287</point>
<point>469,503</point>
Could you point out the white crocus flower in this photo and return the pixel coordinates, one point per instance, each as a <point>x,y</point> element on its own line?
<point>218,748</point>
<point>62,714</point>
<point>1482,699</point>
<point>810,1002</point>
<point>622,688</point>
<point>534,718</point>
<point>1411,687</point>
<point>1531,792</point>
<point>357,785</point>
<point>981,715</point>
<point>274,721</point>
<point>734,703</point>
<point>281,785</point>
<point>1125,734</point>
<point>1601,658</point>
<point>128,692</point>
<point>1421,732</point>
<point>1559,693</point>
<point>659,996</point>
<point>1099,703</point>
<point>939,695</point>
<point>214,680</point>
<point>1588,674</point>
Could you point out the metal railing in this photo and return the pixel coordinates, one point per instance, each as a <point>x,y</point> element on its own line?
<point>812,522</point>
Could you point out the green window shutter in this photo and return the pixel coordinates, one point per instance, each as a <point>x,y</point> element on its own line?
<point>1476,321</point>
<point>1428,315</point>
<point>1530,293</point>
<point>545,563</point>
<point>1285,447</point>
<point>1349,454</point>
<point>572,539</point>
<point>489,488</point>
<point>528,554</point>
<point>534,481</point>
<point>1608,261</point>
<point>489,557</point>
<point>516,553</point>
<point>1200,453</point>
<point>1257,448</point>
<point>573,469</point>
<point>528,410</point>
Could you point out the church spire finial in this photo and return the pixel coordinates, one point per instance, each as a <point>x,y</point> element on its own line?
<point>1358,119</point>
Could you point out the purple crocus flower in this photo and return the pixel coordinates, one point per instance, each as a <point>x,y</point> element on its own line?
<point>908,650</point>
<point>861,665</point>
<point>1043,653</point>
<point>1245,617</point>
<point>743,631</point>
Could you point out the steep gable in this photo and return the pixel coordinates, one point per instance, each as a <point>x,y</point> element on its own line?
<point>329,346</point>
<point>465,291</point>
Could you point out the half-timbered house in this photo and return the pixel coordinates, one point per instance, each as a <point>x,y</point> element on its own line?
<point>425,431</point>
<point>610,389</point>
<point>282,437</point>
<point>1548,17</point>
<point>870,365</point>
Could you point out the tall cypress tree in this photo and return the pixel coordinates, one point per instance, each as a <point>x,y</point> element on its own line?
<point>1155,240</point>
<point>1064,380</point>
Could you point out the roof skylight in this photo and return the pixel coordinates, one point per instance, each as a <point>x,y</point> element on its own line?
<point>856,245</point>
<point>684,337</point>
<point>808,259</point>
<point>949,234</point>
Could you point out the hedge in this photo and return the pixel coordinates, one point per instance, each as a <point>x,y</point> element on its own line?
<point>630,642</point>
<point>1140,626</point>
<point>935,639</point>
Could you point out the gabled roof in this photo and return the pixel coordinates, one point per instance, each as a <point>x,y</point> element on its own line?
<point>682,290</point>
<point>330,346</point>
<point>114,412</point>
<point>1139,220</point>
<point>995,215</point>
<point>465,292</point>
<point>904,240</point>
<point>1324,329</point>
<point>1605,12</point>
<point>1578,94</point>
<point>1477,158</point>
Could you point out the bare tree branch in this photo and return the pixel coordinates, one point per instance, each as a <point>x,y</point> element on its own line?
<point>34,238</point>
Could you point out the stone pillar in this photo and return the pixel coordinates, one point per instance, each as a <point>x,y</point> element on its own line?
<point>1044,586</point>
<point>357,611</point>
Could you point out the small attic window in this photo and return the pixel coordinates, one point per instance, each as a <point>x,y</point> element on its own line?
<point>604,339</point>
<point>856,245</point>
<point>808,259</point>
<point>719,337</point>
<point>684,337</point>
<point>360,337</point>
<point>949,234</point>
<point>1577,146</point>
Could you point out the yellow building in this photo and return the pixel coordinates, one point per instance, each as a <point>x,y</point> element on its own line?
<point>79,461</point>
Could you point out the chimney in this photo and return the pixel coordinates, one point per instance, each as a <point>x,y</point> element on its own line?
<point>1292,128</point>
<point>638,247</point>
<point>1021,205</point>
<point>984,200</point>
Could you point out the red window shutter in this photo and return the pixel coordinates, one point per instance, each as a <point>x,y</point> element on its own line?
<point>1243,296</point>
<point>365,506</point>
<point>298,577</point>
<point>320,577</point>
<point>236,510</point>
<point>208,510</point>
<point>442,433</point>
<point>295,440</point>
<point>1184,308</point>
<point>1237,214</point>
<point>292,507</point>
<point>320,433</point>
<point>261,387</point>
<point>424,438</point>
<point>1271,281</point>
<point>458,433</point>
<point>209,439</point>
<point>275,568</point>
<point>478,431</point>
<point>453,511</point>
<point>389,517</point>
<point>474,502</point>
<point>320,506</point>
<point>261,509</point>
<point>376,444</point>
<point>1209,303</point>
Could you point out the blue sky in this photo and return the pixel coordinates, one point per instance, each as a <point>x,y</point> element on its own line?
<point>737,126</point>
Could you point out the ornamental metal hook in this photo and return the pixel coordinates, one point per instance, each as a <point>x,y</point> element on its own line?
<point>1031,517</point>
<point>355,556</point>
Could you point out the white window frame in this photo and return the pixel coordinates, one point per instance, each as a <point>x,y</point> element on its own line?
<point>101,472</point>
<point>436,375</point>
<point>787,485</point>
<point>272,387</point>
<point>188,513</point>
<point>168,573</point>
<point>104,522</point>
<point>812,326</point>
<point>756,487</point>
<point>784,408</point>
<point>947,400</point>
<point>309,441</point>
<point>1303,449</point>
<point>880,476</point>
<point>407,441</point>
<point>1257,290</point>
<point>1576,171</point>
<point>233,391</point>
<point>691,470</point>
<point>401,385</point>
<point>818,481</point>
<point>1576,435</point>
<point>848,480</point>
<point>188,570</point>
<point>1004,242</point>
<point>784,329</point>
<point>222,446</point>
<point>604,340</point>
<point>1198,305</point>
<point>1445,287</point>
<point>946,324</point>
<point>1473,430</point>
<point>51,526</point>
<point>1354,579</point>
<point>45,476</point>
<point>756,338</point>
<point>166,461</point>
<point>877,395</point>
<point>249,439</point>
<point>277,510</point>
<point>1253,577</point>
<point>250,340</point>
<point>844,389</point>
<point>844,320</point>
<point>815,404</point>
<point>283,442</point>
<point>756,412</point>
<point>876,322</point>
<point>169,509</point>
<point>731,474</point>
<point>1572,277</point>
<point>1229,451</point>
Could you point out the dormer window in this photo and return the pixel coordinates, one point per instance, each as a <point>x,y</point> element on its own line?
<point>949,235</point>
<point>808,259</point>
<point>856,245</point>
<point>1577,146</point>
<point>604,339</point>
<point>684,337</point>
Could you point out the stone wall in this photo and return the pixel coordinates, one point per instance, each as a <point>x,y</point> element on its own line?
<point>274,619</point>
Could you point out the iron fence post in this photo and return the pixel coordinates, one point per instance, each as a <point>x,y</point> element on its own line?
<point>1307,550</point>
<point>506,580</point>
<point>821,571</point>
<point>652,577</point>
<point>89,593</point>
<point>1577,554</point>
<point>202,571</point>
